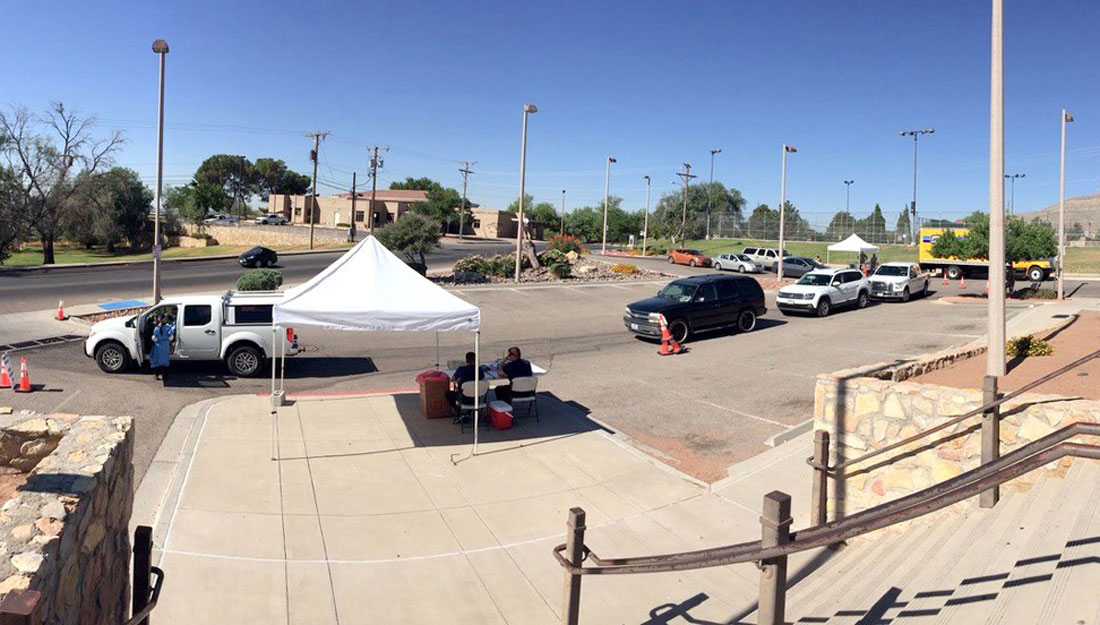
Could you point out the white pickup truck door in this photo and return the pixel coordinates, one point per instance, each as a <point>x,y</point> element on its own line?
<point>197,333</point>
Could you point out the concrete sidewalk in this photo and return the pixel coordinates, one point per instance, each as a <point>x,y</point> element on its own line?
<point>373,514</point>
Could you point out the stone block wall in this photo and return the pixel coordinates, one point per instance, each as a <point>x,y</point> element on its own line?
<point>275,237</point>
<point>65,532</point>
<point>865,409</point>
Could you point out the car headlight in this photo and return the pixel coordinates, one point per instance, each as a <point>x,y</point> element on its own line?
<point>898,286</point>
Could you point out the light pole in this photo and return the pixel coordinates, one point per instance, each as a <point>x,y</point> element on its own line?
<point>710,189</point>
<point>787,149</point>
<point>1066,117</point>
<point>563,212</point>
<point>913,207</point>
<point>1012,194</point>
<point>848,195</point>
<point>995,352</point>
<point>645,223</point>
<point>606,186</point>
<point>160,47</point>
<point>527,109</point>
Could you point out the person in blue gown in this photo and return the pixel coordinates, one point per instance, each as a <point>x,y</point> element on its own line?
<point>163,333</point>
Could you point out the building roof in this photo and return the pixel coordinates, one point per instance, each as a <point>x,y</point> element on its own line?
<point>392,195</point>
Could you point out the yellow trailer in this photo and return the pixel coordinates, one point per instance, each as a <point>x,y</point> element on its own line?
<point>954,268</point>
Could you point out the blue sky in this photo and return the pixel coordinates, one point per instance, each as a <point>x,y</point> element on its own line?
<point>653,84</point>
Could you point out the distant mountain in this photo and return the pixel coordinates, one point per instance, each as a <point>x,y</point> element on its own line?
<point>1083,209</point>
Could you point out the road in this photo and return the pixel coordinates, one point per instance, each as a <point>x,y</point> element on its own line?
<point>22,291</point>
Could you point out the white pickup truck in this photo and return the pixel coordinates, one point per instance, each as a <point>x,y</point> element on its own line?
<point>899,281</point>
<point>234,327</point>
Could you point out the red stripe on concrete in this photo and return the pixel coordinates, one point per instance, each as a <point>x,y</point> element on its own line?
<point>396,391</point>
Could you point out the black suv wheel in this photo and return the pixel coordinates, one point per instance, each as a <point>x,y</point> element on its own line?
<point>679,330</point>
<point>746,321</point>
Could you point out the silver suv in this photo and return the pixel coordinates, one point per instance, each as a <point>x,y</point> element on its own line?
<point>763,256</point>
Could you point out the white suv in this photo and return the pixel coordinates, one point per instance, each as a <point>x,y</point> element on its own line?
<point>821,290</point>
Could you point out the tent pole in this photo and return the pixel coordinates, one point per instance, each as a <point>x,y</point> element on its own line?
<point>477,384</point>
<point>282,376</point>
<point>437,350</point>
<point>274,410</point>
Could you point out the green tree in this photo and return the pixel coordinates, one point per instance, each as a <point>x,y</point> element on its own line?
<point>585,223</point>
<point>234,174</point>
<point>413,235</point>
<point>872,228</point>
<point>1023,240</point>
<point>270,176</point>
<point>443,203</point>
<point>122,202</point>
<point>669,220</point>
<point>195,201</point>
<point>763,223</point>
<point>840,226</point>
<point>14,214</point>
<point>903,227</point>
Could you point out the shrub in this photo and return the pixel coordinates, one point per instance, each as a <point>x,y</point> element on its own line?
<point>1028,346</point>
<point>343,225</point>
<point>473,264</point>
<point>562,270</point>
<point>1036,293</point>
<point>552,257</point>
<point>625,269</point>
<point>260,280</point>
<point>505,266</point>
<point>566,243</point>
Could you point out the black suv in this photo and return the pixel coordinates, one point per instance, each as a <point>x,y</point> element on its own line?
<point>697,304</point>
<point>258,257</point>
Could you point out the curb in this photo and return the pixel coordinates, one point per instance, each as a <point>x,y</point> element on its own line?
<point>790,433</point>
<point>126,263</point>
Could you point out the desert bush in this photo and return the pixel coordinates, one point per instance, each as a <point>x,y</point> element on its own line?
<point>552,257</point>
<point>566,243</point>
<point>625,269</point>
<point>1028,346</point>
<point>1036,293</point>
<point>472,264</point>
<point>260,280</point>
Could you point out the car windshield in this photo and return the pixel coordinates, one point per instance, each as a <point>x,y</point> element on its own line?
<point>887,270</point>
<point>743,257</point>
<point>815,279</point>
<point>679,291</point>
<point>816,264</point>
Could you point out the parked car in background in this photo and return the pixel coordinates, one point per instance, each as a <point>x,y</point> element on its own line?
<point>692,258</point>
<point>763,256</point>
<point>821,290</point>
<point>258,257</point>
<point>737,262</point>
<point>271,219</point>
<point>797,266</point>
<point>698,304</point>
<point>221,220</point>
<point>899,281</point>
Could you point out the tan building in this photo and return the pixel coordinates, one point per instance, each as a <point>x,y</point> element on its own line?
<point>491,223</point>
<point>389,204</point>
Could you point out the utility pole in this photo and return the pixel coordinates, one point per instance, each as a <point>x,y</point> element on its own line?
<point>465,171</point>
<point>354,192</point>
<point>1066,117</point>
<point>375,163</point>
<point>312,212</point>
<point>710,190</point>
<point>687,176</point>
<point>606,187</point>
<point>563,212</point>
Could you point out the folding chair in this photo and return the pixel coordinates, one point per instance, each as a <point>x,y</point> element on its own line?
<point>524,392</point>
<point>471,390</point>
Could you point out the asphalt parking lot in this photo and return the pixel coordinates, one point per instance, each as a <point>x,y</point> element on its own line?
<point>699,411</point>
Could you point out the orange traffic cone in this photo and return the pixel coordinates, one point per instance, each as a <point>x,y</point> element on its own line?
<point>669,346</point>
<point>962,282</point>
<point>61,316</point>
<point>5,371</point>
<point>987,288</point>
<point>24,379</point>
<point>945,278</point>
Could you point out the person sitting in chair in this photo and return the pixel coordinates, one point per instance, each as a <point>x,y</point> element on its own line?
<point>513,366</point>
<point>463,374</point>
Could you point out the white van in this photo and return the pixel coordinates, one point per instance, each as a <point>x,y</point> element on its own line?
<point>234,327</point>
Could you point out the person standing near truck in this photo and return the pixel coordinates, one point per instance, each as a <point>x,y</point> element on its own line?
<point>163,334</point>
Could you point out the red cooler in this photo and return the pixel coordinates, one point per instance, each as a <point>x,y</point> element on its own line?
<point>433,394</point>
<point>500,414</point>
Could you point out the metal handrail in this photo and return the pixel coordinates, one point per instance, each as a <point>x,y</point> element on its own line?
<point>1014,464</point>
<point>154,594</point>
<point>950,422</point>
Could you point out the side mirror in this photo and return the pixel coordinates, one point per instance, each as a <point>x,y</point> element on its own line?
<point>835,283</point>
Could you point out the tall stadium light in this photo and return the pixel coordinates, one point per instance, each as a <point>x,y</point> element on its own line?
<point>916,134</point>
<point>645,223</point>
<point>606,187</point>
<point>1066,117</point>
<point>1012,193</point>
<point>160,47</point>
<point>527,110</point>
<point>787,149</point>
<point>710,190</point>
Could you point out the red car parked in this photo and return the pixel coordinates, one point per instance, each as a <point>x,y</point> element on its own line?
<point>691,258</point>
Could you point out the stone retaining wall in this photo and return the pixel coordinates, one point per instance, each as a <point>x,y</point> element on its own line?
<point>65,532</point>
<point>871,407</point>
<point>270,236</point>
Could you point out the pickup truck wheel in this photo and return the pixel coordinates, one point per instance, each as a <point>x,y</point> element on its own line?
<point>954,272</point>
<point>823,307</point>
<point>112,357</point>
<point>861,300</point>
<point>905,295</point>
<point>679,330</point>
<point>244,361</point>
<point>1036,274</point>
<point>746,321</point>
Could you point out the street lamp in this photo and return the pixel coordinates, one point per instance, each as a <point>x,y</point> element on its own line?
<point>1066,117</point>
<point>787,149</point>
<point>645,223</point>
<point>160,47</point>
<point>848,195</point>
<point>563,212</point>
<point>710,190</point>
<point>606,185</point>
<point>527,109</point>
<point>1012,197</point>
<point>913,207</point>
<point>995,351</point>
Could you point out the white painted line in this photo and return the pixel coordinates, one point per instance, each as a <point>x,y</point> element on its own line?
<point>514,290</point>
<point>187,474</point>
<point>733,410</point>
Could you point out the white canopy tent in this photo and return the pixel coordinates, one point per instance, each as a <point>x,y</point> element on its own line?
<point>369,289</point>
<point>852,244</point>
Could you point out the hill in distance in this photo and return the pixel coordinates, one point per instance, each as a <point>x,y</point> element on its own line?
<point>1083,209</point>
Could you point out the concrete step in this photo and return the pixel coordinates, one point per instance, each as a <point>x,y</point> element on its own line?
<point>844,567</point>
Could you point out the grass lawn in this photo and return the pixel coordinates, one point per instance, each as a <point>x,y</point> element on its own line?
<point>31,254</point>
<point>1078,259</point>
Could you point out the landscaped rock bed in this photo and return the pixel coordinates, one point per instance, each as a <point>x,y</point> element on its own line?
<point>584,270</point>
